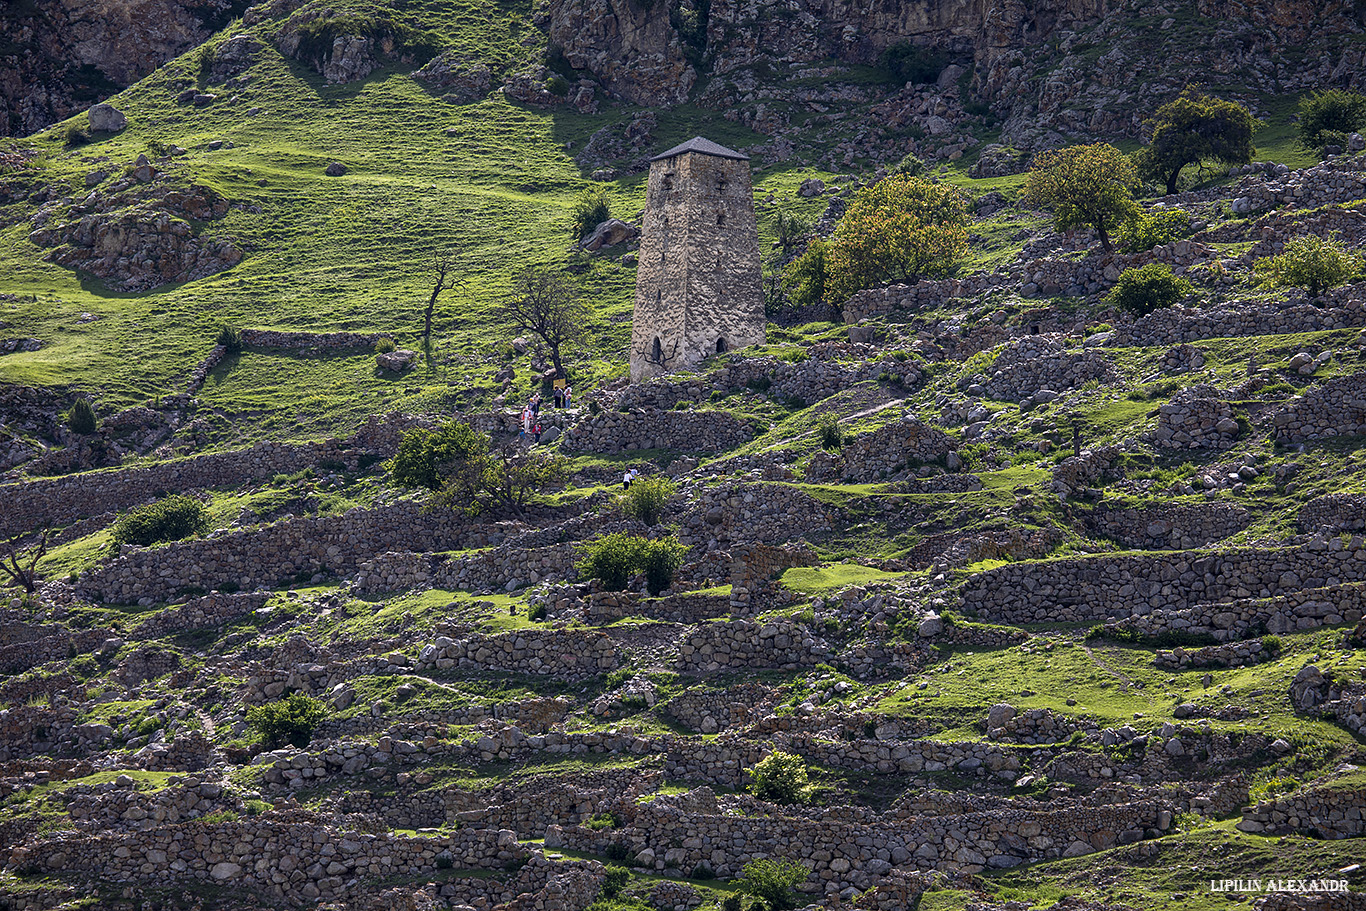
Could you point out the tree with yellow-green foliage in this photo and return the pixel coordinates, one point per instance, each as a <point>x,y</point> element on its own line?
<point>1085,186</point>
<point>901,228</point>
<point>1191,128</point>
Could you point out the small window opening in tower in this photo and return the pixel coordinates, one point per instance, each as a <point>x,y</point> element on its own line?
<point>720,218</point>
<point>721,184</point>
<point>667,183</point>
<point>658,351</point>
<point>720,346</point>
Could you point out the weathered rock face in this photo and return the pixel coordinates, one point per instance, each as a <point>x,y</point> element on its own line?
<point>138,248</point>
<point>631,46</point>
<point>61,56</point>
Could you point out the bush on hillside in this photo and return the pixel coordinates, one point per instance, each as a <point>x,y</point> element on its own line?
<point>1309,262</point>
<point>773,881</point>
<point>646,498</point>
<point>81,417</point>
<point>660,560</point>
<point>590,210</point>
<point>1146,289</point>
<point>289,720</point>
<point>910,165</point>
<point>170,519</point>
<point>614,559</point>
<point>1153,229</point>
<point>829,432</point>
<point>385,345</point>
<point>230,338</point>
<point>780,777</point>
<point>1326,118</point>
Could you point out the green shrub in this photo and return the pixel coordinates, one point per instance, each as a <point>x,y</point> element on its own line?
<point>603,821</point>
<point>1146,289</point>
<point>1327,117</point>
<point>289,720</point>
<point>590,210</point>
<point>255,806</point>
<point>536,613</point>
<point>829,432</point>
<point>230,337</point>
<point>773,881</point>
<point>1309,262</point>
<point>1272,644</point>
<point>660,559</point>
<point>385,345</point>
<point>780,777</point>
<point>614,559</point>
<point>444,861</point>
<point>617,878</point>
<point>557,85</point>
<point>170,519</point>
<point>910,165</point>
<point>646,498</point>
<point>1153,229</point>
<point>81,417</point>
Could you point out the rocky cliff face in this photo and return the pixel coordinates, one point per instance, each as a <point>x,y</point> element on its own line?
<point>58,57</point>
<point>1038,63</point>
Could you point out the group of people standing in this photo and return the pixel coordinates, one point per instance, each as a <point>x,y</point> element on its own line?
<point>531,413</point>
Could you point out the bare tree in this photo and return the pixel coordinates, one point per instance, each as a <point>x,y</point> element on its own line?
<point>25,576</point>
<point>547,304</point>
<point>444,278</point>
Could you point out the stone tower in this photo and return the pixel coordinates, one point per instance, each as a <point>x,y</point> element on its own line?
<point>698,288</point>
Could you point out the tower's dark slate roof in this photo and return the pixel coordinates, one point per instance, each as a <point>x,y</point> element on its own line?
<point>702,147</point>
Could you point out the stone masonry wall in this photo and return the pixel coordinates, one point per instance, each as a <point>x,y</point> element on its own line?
<point>296,859</point>
<point>58,501</point>
<point>1334,409</point>
<point>689,431</point>
<point>267,556</point>
<point>1322,812</point>
<point>1100,588</point>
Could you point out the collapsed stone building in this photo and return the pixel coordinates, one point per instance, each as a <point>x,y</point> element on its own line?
<point>698,288</point>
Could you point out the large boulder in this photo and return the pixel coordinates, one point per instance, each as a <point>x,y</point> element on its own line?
<point>105,118</point>
<point>610,233</point>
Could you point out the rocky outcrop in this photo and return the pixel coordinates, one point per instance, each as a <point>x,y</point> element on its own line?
<point>138,241</point>
<point>56,58</point>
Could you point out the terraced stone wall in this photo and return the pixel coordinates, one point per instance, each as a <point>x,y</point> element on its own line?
<point>1101,588</point>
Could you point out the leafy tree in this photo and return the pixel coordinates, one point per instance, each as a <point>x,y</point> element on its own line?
<point>1309,262</point>
<point>81,417</point>
<point>660,560</point>
<point>289,720</point>
<point>1327,117</point>
<point>790,229</point>
<point>230,337</point>
<point>1085,186</point>
<point>424,454</point>
<point>547,304</point>
<point>468,474</point>
<point>773,881</point>
<point>780,777</point>
<point>804,279</point>
<point>614,559</point>
<point>1191,128</point>
<point>1146,289</point>
<point>900,228</point>
<point>169,519</point>
<point>590,210</point>
<point>1152,229</point>
<point>646,498</point>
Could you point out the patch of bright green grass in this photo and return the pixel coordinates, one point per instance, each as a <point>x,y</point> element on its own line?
<point>819,580</point>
